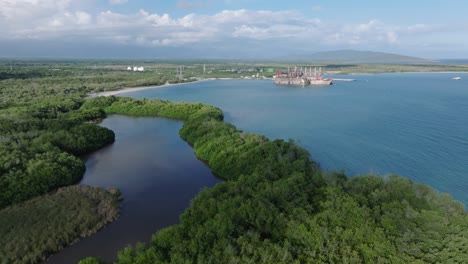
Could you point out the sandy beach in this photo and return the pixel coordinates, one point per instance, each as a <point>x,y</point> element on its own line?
<point>140,88</point>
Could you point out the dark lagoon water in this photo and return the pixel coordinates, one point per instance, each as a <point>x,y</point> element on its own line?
<point>157,173</point>
<point>412,124</point>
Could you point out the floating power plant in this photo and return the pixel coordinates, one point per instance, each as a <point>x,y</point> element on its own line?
<point>302,76</point>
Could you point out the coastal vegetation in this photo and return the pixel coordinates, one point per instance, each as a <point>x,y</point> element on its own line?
<point>42,129</point>
<point>43,133</point>
<point>38,154</point>
<point>277,206</point>
<point>30,231</point>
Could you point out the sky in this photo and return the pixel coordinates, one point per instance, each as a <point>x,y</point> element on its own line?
<point>230,29</point>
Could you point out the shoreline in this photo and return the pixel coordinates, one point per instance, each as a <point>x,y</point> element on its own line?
<point>196,134</point>
<point>141,88</point>
<point>422,72</point>
<point>138,88</point>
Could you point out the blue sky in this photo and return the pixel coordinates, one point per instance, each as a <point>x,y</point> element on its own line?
<point>230,28</point>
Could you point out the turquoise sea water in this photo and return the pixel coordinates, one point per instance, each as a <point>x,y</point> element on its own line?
<point>412,124</point>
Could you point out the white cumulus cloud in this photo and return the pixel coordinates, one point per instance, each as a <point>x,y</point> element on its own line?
<point>64,20</point>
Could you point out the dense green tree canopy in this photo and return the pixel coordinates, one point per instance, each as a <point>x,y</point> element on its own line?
<point>43,132</point>
<point>30,231</point>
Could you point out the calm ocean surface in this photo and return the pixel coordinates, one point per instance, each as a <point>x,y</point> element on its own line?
<point>412,124</point>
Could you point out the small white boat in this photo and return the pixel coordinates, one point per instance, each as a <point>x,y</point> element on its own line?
<point>456,78</point>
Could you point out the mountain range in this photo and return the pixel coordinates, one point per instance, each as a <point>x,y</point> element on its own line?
<point>356,56</point>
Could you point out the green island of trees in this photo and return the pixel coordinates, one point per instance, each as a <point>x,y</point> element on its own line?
<point>277,206</point>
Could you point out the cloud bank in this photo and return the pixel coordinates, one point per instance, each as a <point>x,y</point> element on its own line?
<point>65,20</point>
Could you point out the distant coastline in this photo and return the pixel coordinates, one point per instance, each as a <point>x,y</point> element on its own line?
<point>138,88</point>
<point>141,88</point>
<point>403,72</point>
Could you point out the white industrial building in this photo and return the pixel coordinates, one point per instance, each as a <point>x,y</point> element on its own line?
<point>135,68</point>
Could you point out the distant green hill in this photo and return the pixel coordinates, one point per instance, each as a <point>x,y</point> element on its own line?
<point>356,56</point>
